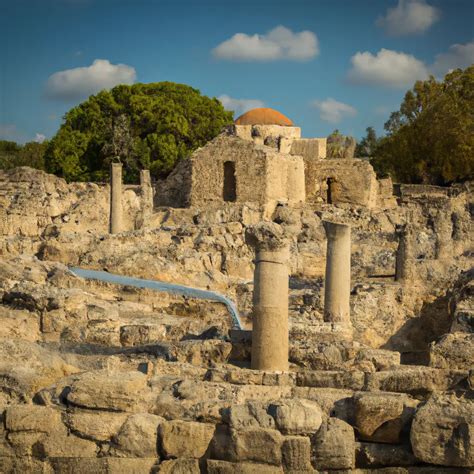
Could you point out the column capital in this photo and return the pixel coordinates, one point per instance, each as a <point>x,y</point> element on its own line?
<point>267,237</point>
<point>336,229</point>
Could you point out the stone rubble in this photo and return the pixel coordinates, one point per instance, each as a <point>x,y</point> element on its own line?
<point>98,378</point>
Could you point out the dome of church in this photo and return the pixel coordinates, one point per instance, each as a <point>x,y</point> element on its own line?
<point>263,116</point>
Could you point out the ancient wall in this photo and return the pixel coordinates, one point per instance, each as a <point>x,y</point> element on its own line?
<point>309,148</point>
<point>341,181</point>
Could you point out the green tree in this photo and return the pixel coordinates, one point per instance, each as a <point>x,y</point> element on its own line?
<point>367,146</point>
<point>31,154</point>
<point>431,138</point>
<point>146,125</point>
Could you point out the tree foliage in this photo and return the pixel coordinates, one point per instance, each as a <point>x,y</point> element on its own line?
<point>31,154</point>
<point>150,126</point>
<point>368,145</point>
<point>431,138</point>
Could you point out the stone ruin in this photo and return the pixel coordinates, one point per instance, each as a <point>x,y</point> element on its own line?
<point>356,297</point>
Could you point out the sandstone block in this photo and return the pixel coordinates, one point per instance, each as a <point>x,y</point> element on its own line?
<point>453,351</point>
<point>333,446</point>
<point>373,455</point>
<point>258,445</point>
<point>251,415</point>
<point>381,358</point>
<point>443,431</point>
<point>185,439</point>
<point>95,425</point>
<point>225,467</point>
<point>415,380</point>
<point>179,466</point>
<point>296,417</point>
<point>373,410</point>
<point>353,380</point>
<point>123,391</point>
<point>32,418</point>
<point>138,437</point>
<point>296,453</point>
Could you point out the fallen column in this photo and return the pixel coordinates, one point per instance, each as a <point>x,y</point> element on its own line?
<point>115,198</point>
<point>337,287</point>
<point>270,298</point>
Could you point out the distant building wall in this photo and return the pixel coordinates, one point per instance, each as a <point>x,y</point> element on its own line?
<point>340,181</point>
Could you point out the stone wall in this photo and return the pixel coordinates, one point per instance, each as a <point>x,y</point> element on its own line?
<point>352,181</point>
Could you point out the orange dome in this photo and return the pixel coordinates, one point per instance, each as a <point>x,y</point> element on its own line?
<point>263,116</point>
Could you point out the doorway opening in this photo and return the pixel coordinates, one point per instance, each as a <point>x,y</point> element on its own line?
<point>230,182</point>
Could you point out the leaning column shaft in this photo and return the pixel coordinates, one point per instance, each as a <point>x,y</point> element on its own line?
<point>115,198</point>
<point>270,323</point>
<point>337,288</point>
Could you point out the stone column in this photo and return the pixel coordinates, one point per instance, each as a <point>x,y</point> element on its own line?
<point>270,298</point>
<point>146,195</point>
<point>337,287</point>
<point>404,263</point>
<point>115,198</point>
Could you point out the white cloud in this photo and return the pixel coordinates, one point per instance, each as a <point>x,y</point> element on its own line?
<point>40,138</point>
<point>408,17</point>
<point>332,111</point>
<point>279,43</point>
<point>386,68</point>
<point>80,82</point>
<point>458,56</point>
<point>239,106</point>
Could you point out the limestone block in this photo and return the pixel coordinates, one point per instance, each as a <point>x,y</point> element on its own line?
<point>179,466</point>
<point>373,455</point>
<point>333,446</point>
<point>24,464</point>
<point>32,418</point>
<point>453,351</point>
<point>64,445</point>
<point>374,410</point>
<point>296,453</point>
<point>124,391</point>
<point>95,425</point>
<point>251,415</point>
<point>185,439</point>
<point>353,380</point>
<point>132,466</point>
<point>138,437</point>
<point>225,467</point>
<point>258,445</point>
<point>443,431</point>
<point>381,358</point>
<point>296,417</point>
<point>415,380</point>
<point>309,148</point>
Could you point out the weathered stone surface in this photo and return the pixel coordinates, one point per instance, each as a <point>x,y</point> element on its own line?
<point>138,436</point>
<point>296,417</point>
<point>416,380</point>
<point>32,418</point>
<point>382,359</point>
<point>184,439</point>
<point>179,466</point>
<point>443,431</point>
<point>225,467</point>
<point>333,446</point>
<point>111,391</point>
<point>95,425</point>
<point>374,410</point>
<point>258,445</point>
<point>373,455</point>
<point>296,454</point>
<point>453,351</point>
<point>351,380</point>
<point>251,415</point>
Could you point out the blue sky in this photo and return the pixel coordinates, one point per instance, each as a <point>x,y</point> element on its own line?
<point>326,64</point>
